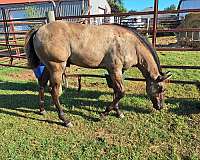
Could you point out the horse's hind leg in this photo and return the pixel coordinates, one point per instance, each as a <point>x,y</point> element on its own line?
<point>42,81</point>
<point>118,87</point>
<point>56,79</point>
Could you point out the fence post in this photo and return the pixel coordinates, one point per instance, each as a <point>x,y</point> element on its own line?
<point>155,20</point>
<point>50,16</point>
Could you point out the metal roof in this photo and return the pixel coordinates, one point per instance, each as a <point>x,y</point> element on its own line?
<point>6,2</point>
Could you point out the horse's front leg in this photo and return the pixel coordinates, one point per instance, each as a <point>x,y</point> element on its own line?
<point>116,109</point>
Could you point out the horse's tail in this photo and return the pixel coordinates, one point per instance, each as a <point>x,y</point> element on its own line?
<point>33,60</point>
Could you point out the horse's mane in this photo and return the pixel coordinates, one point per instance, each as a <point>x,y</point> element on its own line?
<point>145,41</point>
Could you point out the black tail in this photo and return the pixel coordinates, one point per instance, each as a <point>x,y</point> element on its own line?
<point>33,60</point>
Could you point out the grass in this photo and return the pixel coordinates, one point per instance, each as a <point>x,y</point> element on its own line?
<point>173,133</point>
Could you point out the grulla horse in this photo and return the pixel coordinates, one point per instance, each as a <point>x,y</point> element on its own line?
<point>111,47</point>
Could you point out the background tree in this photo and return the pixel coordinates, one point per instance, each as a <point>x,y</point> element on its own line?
<point>31,12</point>
<point>132,11</point>
<point>117,6</point>
<point>171,7</point>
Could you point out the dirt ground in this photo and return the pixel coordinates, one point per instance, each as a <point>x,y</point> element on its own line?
<point>166,41</point>
<point>26,75</point>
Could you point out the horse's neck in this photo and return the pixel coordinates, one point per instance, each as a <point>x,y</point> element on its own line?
<point>148,66</point>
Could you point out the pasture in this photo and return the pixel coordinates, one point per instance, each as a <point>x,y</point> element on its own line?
<point>172,133</point>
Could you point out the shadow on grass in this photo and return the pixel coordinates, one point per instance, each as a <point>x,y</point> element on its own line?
<point>186,106</point>
<point>81,100</point>
<point>18,86</point>
<point>28,117</point>
<point>85,100</point>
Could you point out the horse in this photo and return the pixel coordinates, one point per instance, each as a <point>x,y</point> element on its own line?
<point>112,47</point>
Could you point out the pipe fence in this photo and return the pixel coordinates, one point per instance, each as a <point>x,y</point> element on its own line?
<point>11,41</point>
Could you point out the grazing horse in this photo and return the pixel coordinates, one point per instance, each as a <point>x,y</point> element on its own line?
<point>111,47</point>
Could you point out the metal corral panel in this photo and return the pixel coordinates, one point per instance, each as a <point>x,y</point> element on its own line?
<point>73,8</point>
<point>20,1</point>
<point>66,8</point>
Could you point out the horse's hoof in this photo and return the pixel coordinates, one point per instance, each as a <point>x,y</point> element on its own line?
<point>43,112</point>
<point>121,115</point>
<point>68,125</point>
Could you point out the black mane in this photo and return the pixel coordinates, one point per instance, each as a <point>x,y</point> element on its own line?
<point>145,41</point>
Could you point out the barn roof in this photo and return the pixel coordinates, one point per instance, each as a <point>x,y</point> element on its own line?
<point>6,2</point>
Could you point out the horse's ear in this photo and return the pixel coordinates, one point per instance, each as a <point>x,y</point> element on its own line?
<point>164,77</point>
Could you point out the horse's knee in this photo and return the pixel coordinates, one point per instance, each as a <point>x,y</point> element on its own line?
<point>56,90</point>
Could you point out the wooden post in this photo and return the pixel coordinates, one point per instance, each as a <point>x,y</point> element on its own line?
<point>50,16</point>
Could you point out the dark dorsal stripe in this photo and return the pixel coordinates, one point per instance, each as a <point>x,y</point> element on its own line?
<point>145,41</point>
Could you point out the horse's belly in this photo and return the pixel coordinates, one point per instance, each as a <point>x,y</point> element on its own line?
<point>83,60</point>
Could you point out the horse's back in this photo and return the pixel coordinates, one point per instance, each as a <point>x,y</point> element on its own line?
<point>84,45</point>
<point>102,46</point>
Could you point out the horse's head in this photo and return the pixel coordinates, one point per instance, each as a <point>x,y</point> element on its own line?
<point>155,90</point>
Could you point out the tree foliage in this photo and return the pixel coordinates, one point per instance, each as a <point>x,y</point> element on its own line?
<point>132,11</point>
<point>117,6</point>
<point>32,12</point>
<point>171,7</point>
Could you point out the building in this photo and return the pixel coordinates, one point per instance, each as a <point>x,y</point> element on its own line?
<point>146,21</point>
<point>38,8</point>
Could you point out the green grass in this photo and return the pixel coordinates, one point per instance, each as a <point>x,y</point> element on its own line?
<point>173,133</point>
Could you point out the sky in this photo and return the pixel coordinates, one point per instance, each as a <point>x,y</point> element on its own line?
<point>139,5</point>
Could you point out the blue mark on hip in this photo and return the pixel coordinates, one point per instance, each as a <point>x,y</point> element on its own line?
<point>39,70</point>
